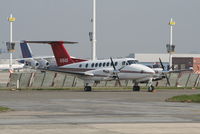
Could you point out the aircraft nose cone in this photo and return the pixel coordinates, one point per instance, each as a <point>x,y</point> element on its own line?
<point>149,70</point>
<point>143,69</point>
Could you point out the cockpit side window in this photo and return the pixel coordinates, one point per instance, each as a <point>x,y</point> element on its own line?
<point>131,62</point>
<point>123,63</point>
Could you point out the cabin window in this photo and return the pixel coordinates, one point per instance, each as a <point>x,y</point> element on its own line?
<point>100,64</point>
<point>86,65</point>
<point>123,63</point>
<point>80,65</point>
<point>92,65</point>
<point>96,65</point>
<point>107,64</point>
<point>111,64</point>
<point>116,63</point>
<point>104,64</point>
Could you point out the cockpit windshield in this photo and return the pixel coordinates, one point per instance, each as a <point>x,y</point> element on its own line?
<point>131,62</point>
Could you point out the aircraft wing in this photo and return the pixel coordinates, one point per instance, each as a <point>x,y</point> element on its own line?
<point>178,71</point>
<point>69,72</point>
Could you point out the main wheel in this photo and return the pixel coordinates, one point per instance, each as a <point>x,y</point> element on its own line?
<point>151,88</point>
<point>136,88</point>
<point>88,88</point>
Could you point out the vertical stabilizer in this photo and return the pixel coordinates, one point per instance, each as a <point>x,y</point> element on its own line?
<point>61,55</point>
<point>26,51</point>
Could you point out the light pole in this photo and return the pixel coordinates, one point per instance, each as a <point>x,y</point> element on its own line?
<point>10,45</point>
<point>170,46</point>
<point>94,31</point>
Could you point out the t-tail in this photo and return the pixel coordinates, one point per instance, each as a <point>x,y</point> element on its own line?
<point>61,54</point>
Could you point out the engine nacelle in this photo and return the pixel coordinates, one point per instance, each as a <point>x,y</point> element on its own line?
<point>32,63</point>
<point>43,63</point>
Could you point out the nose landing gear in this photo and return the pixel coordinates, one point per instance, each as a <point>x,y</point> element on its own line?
<point>150,86</point>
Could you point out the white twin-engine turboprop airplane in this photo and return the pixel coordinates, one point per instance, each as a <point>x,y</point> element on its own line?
<point>99,70</point>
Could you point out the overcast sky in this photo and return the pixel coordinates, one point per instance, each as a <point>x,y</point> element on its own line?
<point>123,26</point>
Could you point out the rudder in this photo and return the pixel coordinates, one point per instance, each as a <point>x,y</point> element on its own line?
<point>61,55</point>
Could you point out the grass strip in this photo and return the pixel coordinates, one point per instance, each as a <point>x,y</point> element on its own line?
<point>185,98</point>
<point>4,109</point>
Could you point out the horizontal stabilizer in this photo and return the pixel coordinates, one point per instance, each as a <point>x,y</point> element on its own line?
<point>51,42</point>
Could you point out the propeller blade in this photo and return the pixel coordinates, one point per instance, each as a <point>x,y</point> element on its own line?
<point>163,73</point>
<point>167,80</point>
<point>161,64</point>
<point>115,70</point>
<point>112,63</point>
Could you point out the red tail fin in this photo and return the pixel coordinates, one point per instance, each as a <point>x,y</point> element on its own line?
<point>61,55</point>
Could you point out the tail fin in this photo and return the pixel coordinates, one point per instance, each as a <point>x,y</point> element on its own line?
<point>61,55</point>
<point>26,50</point>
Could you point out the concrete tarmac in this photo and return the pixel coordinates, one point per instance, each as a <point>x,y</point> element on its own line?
<point>100,111</point>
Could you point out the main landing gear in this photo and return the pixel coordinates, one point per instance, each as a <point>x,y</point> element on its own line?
<point>87,88</point>
<point>136,87</point>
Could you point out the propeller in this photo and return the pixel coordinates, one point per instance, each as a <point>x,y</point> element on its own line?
<point>116,71</point>
<point>164,73</point>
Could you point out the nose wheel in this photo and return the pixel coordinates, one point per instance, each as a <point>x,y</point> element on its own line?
<point>151,88</point>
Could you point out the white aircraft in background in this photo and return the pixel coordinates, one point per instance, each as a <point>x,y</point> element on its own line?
<point>14,67</point>
<point>36,62</point>
<point>91,71</point>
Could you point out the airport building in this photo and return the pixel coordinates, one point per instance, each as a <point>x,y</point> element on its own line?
<point>179,61</point>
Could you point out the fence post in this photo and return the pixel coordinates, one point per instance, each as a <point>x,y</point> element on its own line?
<point>31,79</point>
<point>178,78</point>
<point>64,80</point>
<point>196,81</point>
<point>187,80</point>
<point>53,82</point>
<point>43,78</point>
<point>74,82</point>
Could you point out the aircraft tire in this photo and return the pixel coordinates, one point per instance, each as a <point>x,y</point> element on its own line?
<point>151,88</point>
<point>136,88</point>
<point>88,89</point>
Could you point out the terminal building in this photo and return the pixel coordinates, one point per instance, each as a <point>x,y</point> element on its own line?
<point>179,61</point>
